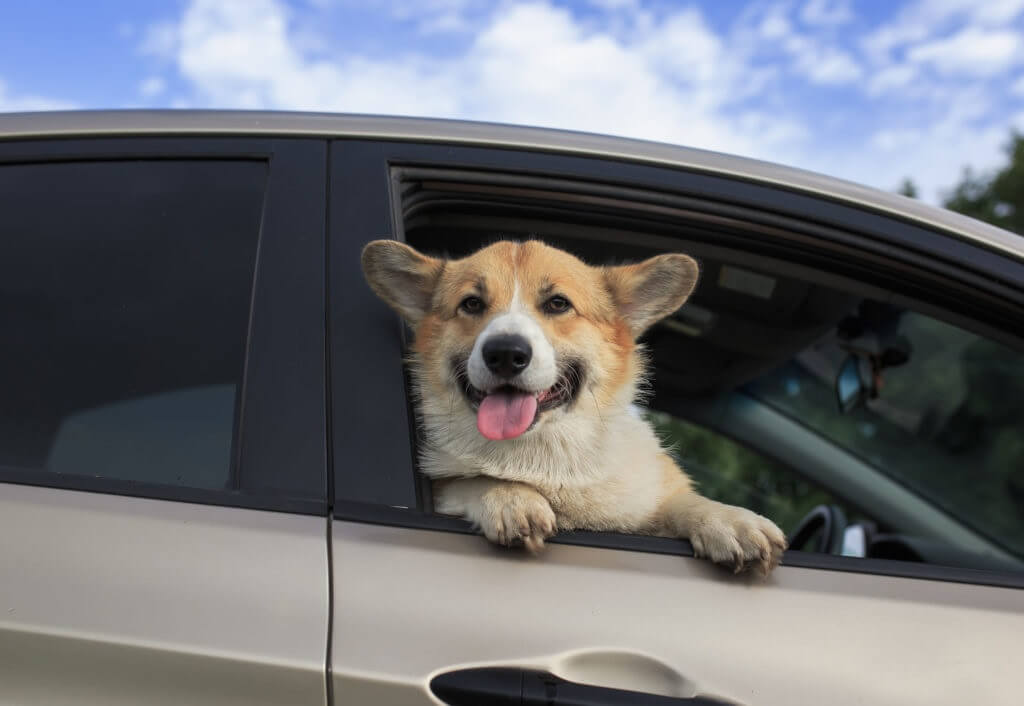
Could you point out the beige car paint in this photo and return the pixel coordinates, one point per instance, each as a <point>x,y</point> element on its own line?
<point>413,603</point>
<point>109,600</point>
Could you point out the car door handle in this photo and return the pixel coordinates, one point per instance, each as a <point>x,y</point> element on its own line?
<point>508,686</point>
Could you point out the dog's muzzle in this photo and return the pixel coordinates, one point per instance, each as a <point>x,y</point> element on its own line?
<point>509,411</point>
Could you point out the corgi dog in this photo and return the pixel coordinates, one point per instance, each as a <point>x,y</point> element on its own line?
<point>525,367</point>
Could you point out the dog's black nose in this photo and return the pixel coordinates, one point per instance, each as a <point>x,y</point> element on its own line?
<point>507,355</point>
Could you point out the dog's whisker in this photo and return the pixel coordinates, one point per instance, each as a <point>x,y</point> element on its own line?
<point>451,415</point>
<point>597,408</point>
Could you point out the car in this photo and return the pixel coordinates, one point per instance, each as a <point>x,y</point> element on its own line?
<point>208,484</point>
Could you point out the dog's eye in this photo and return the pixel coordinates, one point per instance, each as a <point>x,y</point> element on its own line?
<point>472,305</point>
<point>557,305</point>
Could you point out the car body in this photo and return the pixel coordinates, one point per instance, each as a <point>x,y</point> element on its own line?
<point>208,490</point>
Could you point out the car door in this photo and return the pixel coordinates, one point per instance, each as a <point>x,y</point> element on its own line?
<point>162,456</point>
<point>419,599</point>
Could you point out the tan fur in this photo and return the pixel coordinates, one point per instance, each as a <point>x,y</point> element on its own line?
<point>592,465</point>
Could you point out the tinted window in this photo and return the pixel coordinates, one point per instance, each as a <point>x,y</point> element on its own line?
<point>947,420</point>
<point>125,289</point>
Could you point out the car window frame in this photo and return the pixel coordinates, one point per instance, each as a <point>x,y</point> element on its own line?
<point>373,443</point>
<point>284,365</point>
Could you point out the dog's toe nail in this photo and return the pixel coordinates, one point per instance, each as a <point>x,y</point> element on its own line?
<point>534,544</point>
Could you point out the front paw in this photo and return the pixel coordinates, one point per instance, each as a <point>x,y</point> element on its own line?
<point>731,535</point>
<point>517,513</point>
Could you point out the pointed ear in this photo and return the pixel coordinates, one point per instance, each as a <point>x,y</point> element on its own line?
<point>402,277</point>
<point>650,290</point>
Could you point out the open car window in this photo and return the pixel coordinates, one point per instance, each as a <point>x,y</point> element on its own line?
<point>727,471</point>
<point>924,467</point>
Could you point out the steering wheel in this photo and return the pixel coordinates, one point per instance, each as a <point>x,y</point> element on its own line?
<point>828,522</point>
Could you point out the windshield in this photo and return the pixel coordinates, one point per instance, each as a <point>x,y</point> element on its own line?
<point>947,423</point>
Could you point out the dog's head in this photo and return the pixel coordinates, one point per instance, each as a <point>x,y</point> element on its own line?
<point>523,335</point>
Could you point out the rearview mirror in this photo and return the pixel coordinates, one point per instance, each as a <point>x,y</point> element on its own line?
<point>850,389</point>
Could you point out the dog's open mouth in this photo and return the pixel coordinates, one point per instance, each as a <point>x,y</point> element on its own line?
<point>509,411</point>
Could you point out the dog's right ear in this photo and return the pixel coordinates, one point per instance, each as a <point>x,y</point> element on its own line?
<point>402,277</point>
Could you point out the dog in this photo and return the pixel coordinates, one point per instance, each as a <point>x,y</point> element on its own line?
<point>525,367</point>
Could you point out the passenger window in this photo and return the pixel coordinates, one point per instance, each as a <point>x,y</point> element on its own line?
<point>125,289</point>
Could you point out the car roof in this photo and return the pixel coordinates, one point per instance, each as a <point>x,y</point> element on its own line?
<point>80,124</point>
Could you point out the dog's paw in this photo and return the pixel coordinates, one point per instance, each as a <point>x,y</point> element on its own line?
<point>517,513</point>
<point>731,535</point>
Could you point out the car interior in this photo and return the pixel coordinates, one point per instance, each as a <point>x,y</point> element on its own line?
<point>805,380</point>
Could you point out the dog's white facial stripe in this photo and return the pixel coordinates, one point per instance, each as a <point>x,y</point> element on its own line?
<point>540,374</point>
<point>516,305</point>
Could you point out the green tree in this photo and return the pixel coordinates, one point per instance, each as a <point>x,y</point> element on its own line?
<point>908,188</point>
<point>996,197</point>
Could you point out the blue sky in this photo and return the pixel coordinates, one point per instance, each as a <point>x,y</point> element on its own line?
<point>867,91</point>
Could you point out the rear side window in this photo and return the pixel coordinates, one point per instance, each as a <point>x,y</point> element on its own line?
<point>125,291</point>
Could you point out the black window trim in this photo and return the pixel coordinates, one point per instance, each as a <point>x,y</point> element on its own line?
<point>376,483</point>
<point>283,383</point>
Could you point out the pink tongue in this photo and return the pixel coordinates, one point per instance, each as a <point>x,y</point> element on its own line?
<point>506,415</point>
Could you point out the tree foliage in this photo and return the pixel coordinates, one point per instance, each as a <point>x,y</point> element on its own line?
<point>996,197</point>
<point>908,188</point>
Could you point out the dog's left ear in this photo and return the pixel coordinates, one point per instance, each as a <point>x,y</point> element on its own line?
<point>402,277</point>
<point>649,291</point>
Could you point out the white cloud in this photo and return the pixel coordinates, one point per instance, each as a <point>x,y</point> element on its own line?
<point>29,103</point>
<point>617,5</point>
<point>664,74</point>
<point>891,78</point>
<point>431,17</point>
<point>935,158</point>
<point>890,140</point>
<point>813,57</point>
<point>940,74</point>
<point>445,23</point>
<point>152,87</point>
<point>822,64</point>
<point>992,12</point>
<point>160,39</point>
<point>826,12</point>
<point>532,63</point>
<point>923,20</point>
<point>971,51</point>
<point>775,25</point>
<point>932,152</point>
